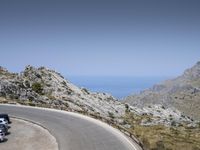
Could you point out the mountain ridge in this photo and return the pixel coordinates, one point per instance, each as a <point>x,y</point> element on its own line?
<point>42,87</point>
<point>182,93</point>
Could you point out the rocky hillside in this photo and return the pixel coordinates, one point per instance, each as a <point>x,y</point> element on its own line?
<point>38,86</point>
<point>47,88</point>
<point>182,93</point>
<point>154,125</point>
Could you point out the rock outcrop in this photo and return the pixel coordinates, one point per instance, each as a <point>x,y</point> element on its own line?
<point>44,86</point>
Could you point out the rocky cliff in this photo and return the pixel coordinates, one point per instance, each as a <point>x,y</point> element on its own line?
<point>182,93</point>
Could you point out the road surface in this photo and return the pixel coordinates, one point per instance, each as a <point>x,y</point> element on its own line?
<point>74,131</point>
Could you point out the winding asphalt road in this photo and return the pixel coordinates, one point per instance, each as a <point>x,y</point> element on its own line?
<point>74,131</point>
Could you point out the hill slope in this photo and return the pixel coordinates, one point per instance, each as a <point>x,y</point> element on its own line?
<point>44,86</point>
<point>47,88</point>
<point>154,125</point>
<point>182,93</point>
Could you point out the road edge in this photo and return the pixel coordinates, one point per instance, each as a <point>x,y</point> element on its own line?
<point>109,128</point>
<point>38,124</point>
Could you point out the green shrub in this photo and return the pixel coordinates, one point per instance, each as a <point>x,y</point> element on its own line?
<point>111,115</point>
<point>37,87</point>
<point>31,104</point>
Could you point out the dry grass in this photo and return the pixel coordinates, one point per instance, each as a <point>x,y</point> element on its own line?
<point>160,137</point>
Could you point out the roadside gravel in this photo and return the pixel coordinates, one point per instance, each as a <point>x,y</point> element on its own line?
<point>28,136</point>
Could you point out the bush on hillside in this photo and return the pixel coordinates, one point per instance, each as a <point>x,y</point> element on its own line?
<point>37,87</point>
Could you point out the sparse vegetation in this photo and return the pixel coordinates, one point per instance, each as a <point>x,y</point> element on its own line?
<point>127,108</point>
<point>85,90</point>
<point>51,97</point>
<point>160,137</point>
<point>37,87</point>
<point>27,84</point>
<point>111,115</point>
<point>64,83</point>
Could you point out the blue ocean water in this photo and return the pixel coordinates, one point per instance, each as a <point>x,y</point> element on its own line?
<point>119,87</point>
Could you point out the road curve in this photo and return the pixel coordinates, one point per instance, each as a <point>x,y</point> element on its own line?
<point>74,131</point>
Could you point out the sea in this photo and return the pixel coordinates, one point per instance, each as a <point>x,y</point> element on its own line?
<point>119,87</point>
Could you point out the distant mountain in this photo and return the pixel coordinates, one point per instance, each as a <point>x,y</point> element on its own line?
<point>182,93</point>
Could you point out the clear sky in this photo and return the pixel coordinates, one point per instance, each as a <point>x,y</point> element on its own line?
<point>101,37</point>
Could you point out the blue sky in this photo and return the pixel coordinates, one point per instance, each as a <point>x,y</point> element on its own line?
<point>101,38</point>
